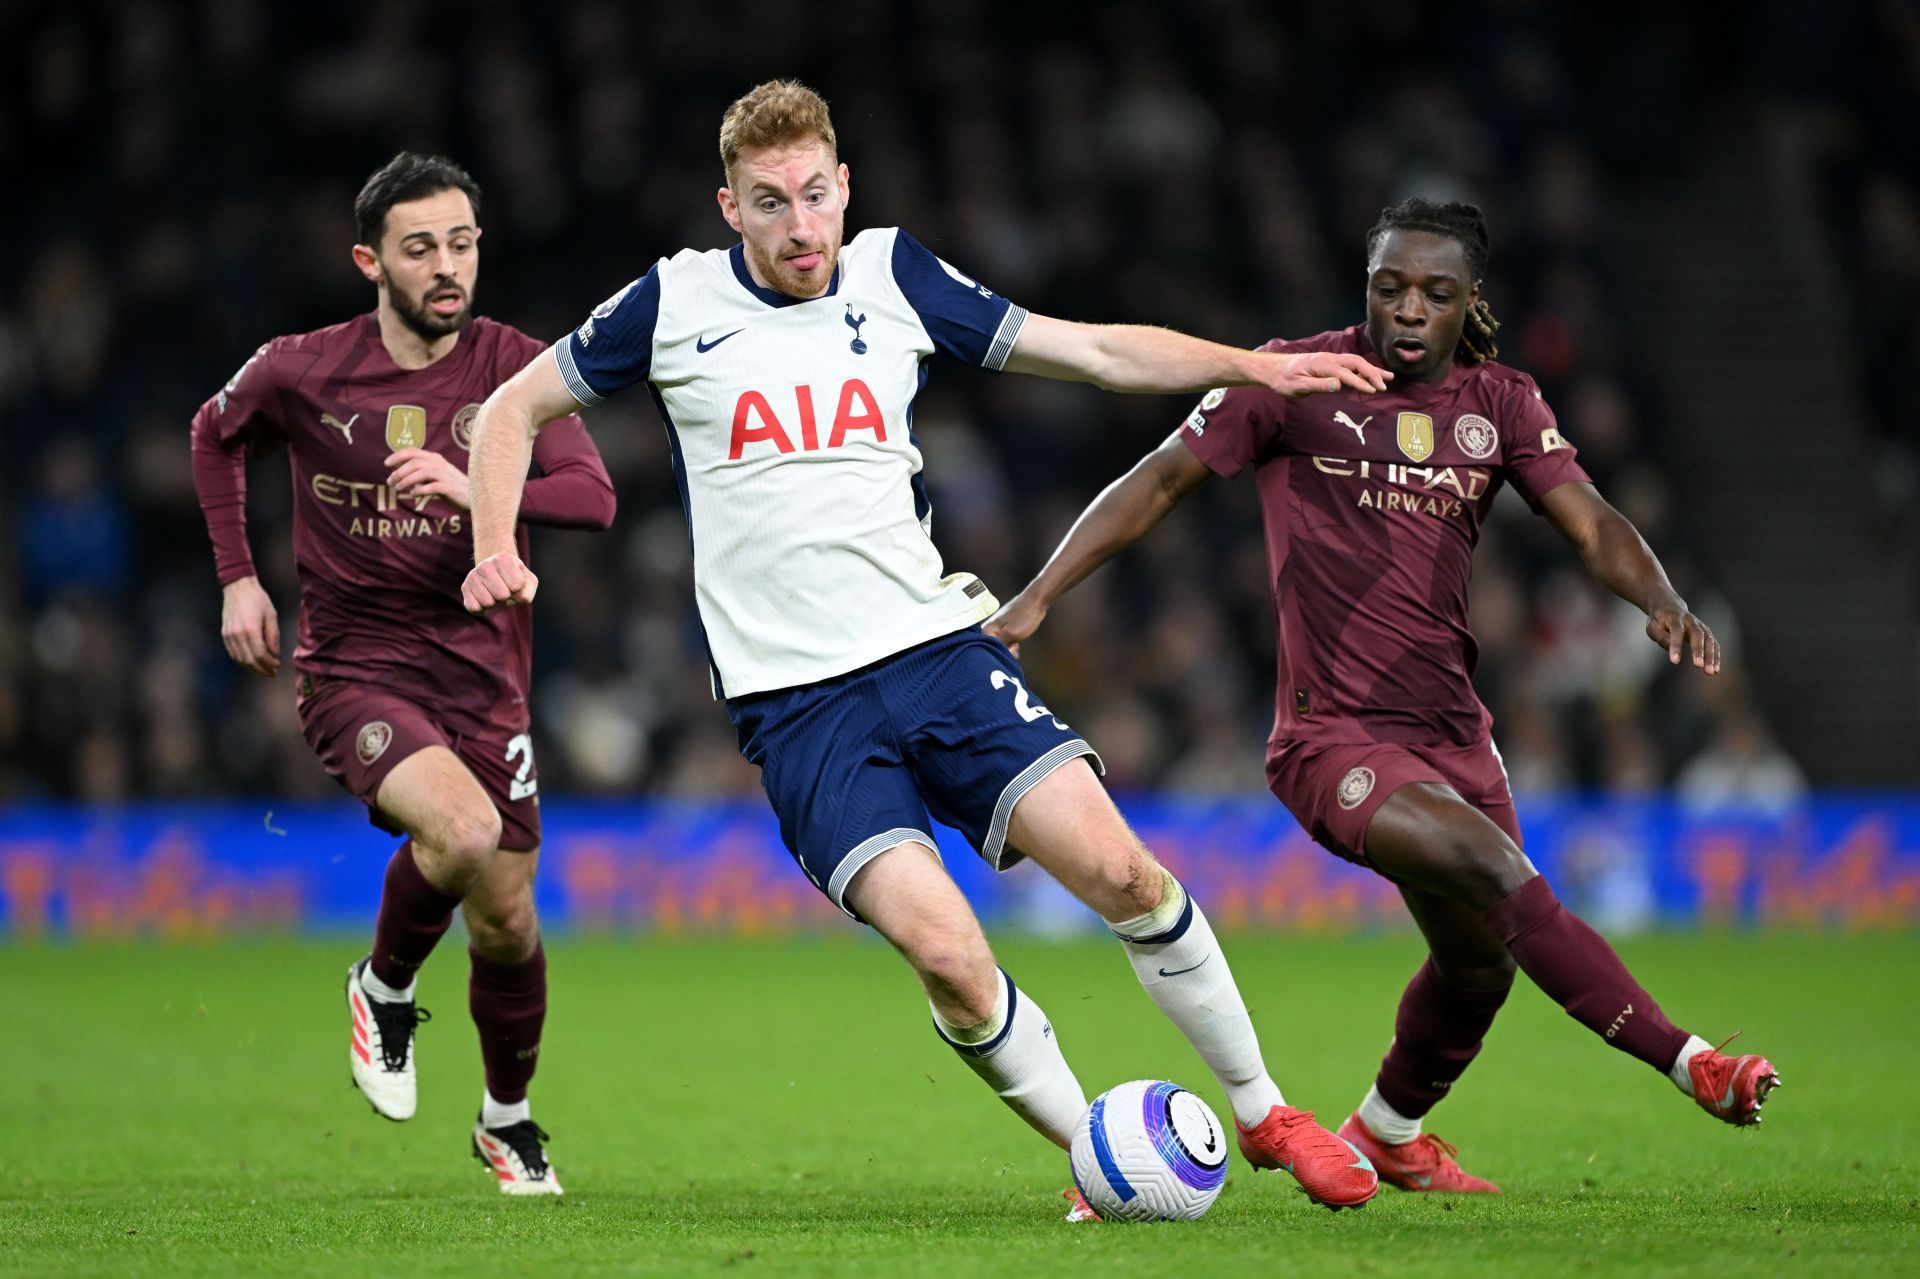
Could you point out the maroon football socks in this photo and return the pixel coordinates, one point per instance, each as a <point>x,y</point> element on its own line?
<point>1436,1036</point>
<point>414,915</point>
<point>1579,971</point>
<point>509,1006</point>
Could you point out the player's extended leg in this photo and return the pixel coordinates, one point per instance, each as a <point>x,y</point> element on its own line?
<point>996,1028</point>
<point>1427,837</point>
<point>454,829</point>
<point>507,994</point>
<point>1068,825</point>
<point>1444,1015</point>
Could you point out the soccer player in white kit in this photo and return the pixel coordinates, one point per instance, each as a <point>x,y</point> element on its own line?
<point>854,669</point>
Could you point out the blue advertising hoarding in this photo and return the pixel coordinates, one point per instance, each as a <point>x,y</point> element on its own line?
<point>213,869</point>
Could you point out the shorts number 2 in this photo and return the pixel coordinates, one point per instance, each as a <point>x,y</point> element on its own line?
<point>521,748</point>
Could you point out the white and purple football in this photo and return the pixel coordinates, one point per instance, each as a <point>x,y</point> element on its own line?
<point>1149,1151</point>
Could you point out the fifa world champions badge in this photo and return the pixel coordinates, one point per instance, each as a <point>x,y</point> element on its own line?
<point>406,427</point>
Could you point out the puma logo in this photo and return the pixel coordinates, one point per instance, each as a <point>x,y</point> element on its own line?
<point>1358,428</point>
<point>345,428</point>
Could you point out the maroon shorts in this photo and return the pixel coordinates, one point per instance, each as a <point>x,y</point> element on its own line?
<point>361,732</point>
<point>1333,789</point>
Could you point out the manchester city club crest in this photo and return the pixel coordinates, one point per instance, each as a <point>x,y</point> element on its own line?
<point>1356,785</point>
<point>406,427</point>
<point>463,425</point>
<point>1213,399</point>
<point>1475,436</point>
<point>373,741</point>
<point>1414,434</point>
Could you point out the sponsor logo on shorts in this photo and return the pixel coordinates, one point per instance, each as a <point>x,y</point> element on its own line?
<point>1354,787</point>
<point>374,739</point>
<point>1475,436</point>
<point>463,425</point>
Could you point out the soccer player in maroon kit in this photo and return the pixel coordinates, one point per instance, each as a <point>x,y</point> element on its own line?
<point>1380,747</point>
<point>411,703</point>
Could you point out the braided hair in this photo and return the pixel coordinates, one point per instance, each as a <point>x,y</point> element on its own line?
<point>1464,224</point>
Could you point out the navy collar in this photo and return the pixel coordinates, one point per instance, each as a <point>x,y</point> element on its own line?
<point>773,297</point>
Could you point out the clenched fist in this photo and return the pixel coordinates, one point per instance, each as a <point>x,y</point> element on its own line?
<point>498,581</point>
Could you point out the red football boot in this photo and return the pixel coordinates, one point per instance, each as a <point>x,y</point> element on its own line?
<point>1425,1164</point>
<point>1078,1209</point>
<point>1333,1173</point>
<point>1732,1088</point>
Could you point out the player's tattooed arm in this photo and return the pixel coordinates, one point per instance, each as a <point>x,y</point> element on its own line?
<point>1620,560</point>
<point>1126,512</point>
<point>1134,357</point>
<point>497,473</point>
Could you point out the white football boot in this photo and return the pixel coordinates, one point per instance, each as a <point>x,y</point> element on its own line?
<point>517,1159</point>
<point>382,1049</point>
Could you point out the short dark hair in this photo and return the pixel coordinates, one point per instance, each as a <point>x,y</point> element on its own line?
<point>408,176</point>
<point>1455,219</point>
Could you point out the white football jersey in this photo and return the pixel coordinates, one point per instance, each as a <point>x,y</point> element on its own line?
<point>791,425</point>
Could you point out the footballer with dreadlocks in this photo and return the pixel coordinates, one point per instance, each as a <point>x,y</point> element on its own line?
<point>1380,748</point>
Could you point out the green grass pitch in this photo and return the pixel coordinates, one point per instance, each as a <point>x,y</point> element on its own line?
<point>782,1107</point>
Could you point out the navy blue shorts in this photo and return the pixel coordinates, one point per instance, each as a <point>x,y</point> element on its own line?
<point>853,764</point>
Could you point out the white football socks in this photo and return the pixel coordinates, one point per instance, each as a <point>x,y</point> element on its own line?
<point>498,1114</point>
<point>1386,1123</point>
<point>1178,961</point>
<point>384,993</point>
<point>1016,1053</point>
<point>1678,1072</point>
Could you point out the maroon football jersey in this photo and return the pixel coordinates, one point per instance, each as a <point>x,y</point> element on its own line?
<point>380,578</point>
<point>1372,506</point>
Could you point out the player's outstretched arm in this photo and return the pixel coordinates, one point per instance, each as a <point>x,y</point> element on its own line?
<point>1119,517</point>
<point>1620,559</point>
<point>1134,357</point>
<point>497,472</point>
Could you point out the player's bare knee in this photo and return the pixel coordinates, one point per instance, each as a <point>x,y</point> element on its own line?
<point>1483,871</point>
<point>471,836</point>
<point>959,975</point>
<point>1128,882</point>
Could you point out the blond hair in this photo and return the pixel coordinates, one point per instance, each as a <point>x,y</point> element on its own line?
<point>775,112</point>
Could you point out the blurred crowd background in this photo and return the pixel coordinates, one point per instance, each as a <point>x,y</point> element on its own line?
<point>180,177</point>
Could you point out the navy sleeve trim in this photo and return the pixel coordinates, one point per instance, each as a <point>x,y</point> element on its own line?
<point>613,349</point>
<point>570,374</point>
<point>964,318</point>
<point>1005,337</point>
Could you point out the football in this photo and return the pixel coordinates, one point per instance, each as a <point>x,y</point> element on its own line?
<point>1149,1151</point>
